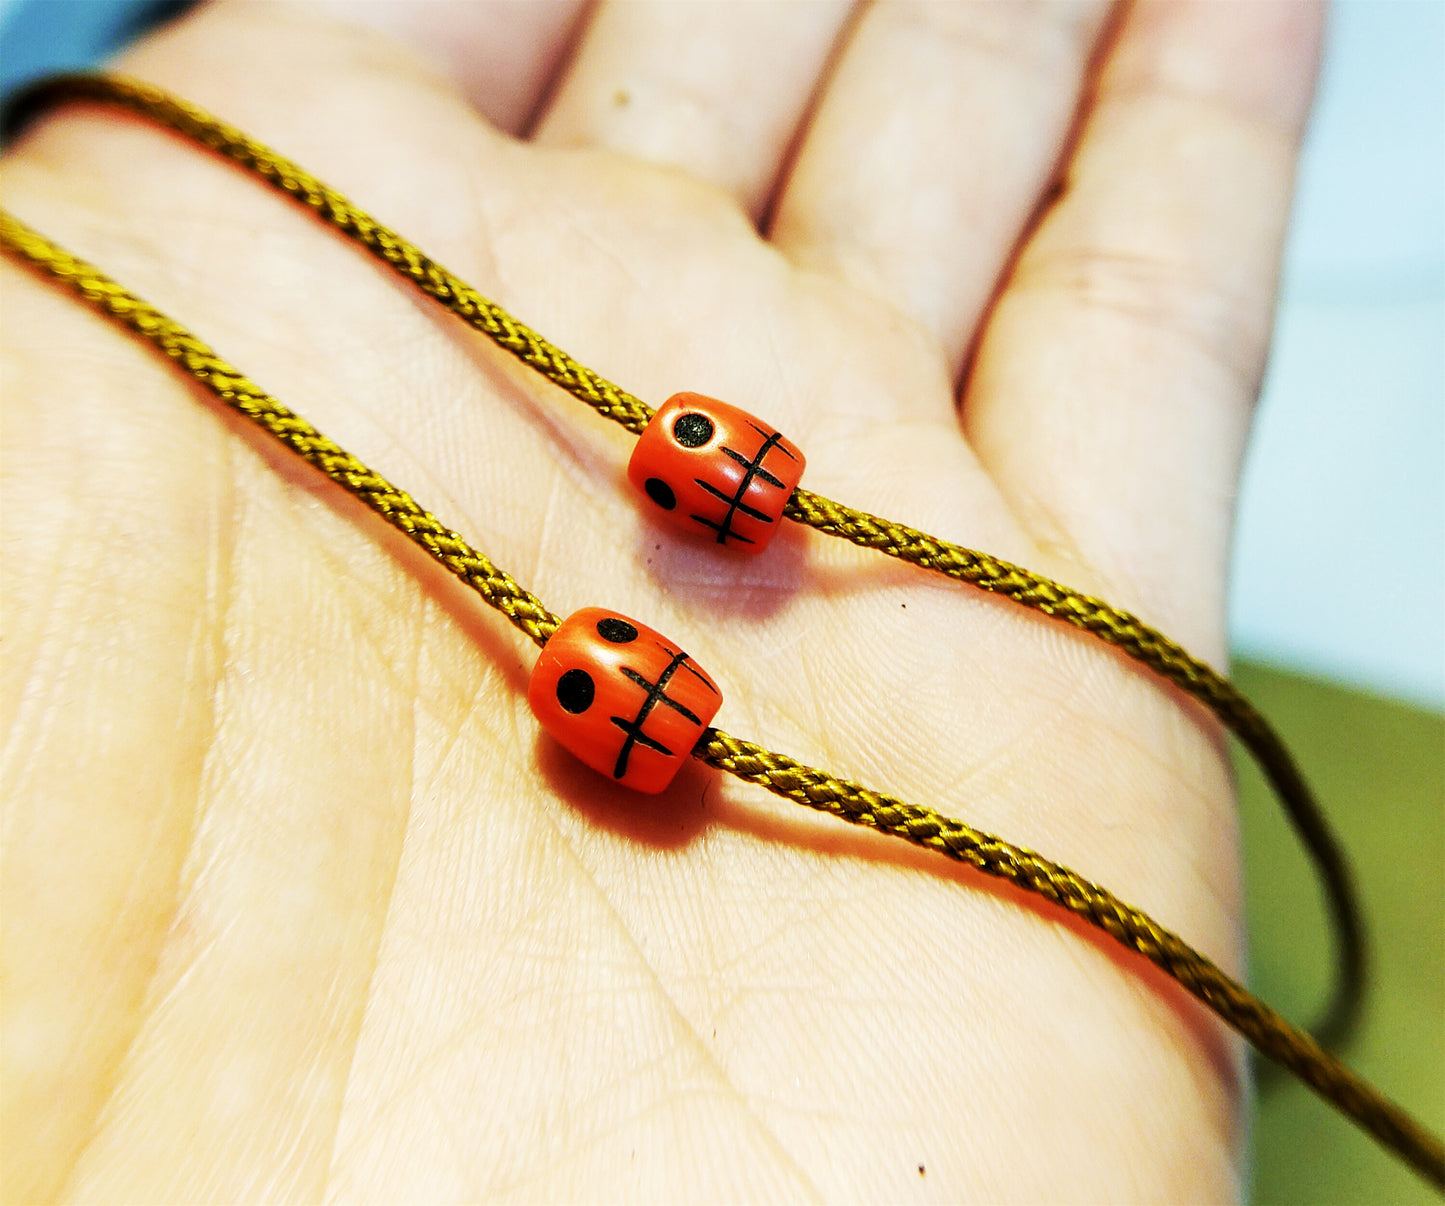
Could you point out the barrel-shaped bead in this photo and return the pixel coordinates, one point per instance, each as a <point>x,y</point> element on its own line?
<point>621,697</point>
<point>715,471</point>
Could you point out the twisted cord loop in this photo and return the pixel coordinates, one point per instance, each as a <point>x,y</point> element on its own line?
<point>1274,1037</point>
<point>1124,631</point>
<point>241,394</point>
<point>1166,658</point>
<point>784,776</point>
<point>336,210</point>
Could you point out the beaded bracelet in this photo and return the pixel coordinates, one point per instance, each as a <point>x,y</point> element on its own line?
<point>1093,616</point>
<point>595,660</point>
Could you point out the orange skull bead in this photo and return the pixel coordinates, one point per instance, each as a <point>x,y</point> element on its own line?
<point>621,697</point>
<point>711,468</point>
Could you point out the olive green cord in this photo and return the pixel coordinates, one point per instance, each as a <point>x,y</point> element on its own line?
<point>395,506</point>
<point>1287,1045</point>
<point>1276,1038</point>
<point>336,210</point>
<point>1124,631</point>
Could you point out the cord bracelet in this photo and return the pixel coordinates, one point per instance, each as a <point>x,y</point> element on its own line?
<point>726,510</point>
<point>591,642</point>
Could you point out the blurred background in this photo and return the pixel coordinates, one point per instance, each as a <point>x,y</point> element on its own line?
<point>1337,609</point>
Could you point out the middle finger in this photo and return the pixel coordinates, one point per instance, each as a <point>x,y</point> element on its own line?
<point>930,149</point>
<point>714,89</point>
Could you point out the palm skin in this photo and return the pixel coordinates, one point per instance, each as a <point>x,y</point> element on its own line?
<point>298,903</point>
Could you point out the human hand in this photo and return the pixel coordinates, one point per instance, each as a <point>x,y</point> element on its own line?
<point>297,902</point>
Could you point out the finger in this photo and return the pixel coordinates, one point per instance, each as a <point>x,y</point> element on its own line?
<point>715,89</point>
<point>1113,387</point>
<point>502,54</point>
<point>930,149</point>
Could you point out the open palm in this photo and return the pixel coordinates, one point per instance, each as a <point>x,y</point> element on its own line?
<point>298,903</point>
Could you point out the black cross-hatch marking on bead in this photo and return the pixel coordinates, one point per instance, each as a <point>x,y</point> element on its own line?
<point>723,534</point>
<point>655,695</point>
<point>732,502</point>
<point>742,460</point>
<point>691,667</point>
<point>763,431</point>
<point>735,503</point>
<point>699,675</point>
<point>628,672</point>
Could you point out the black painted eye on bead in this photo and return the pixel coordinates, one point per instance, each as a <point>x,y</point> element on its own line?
<point>619,632</point>
<point>710,466</point>
<point>575,690</point>
<point>660,493</point>
<point>692,430</point>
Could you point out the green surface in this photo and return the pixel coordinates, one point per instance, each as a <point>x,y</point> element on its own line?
<point>1379,769</point>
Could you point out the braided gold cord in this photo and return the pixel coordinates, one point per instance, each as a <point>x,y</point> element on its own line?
<point>1125,632</point>
<point>1270,1033</point>
<point>396,252</point>
<point>241,394</point>
<point>1166,658</point>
